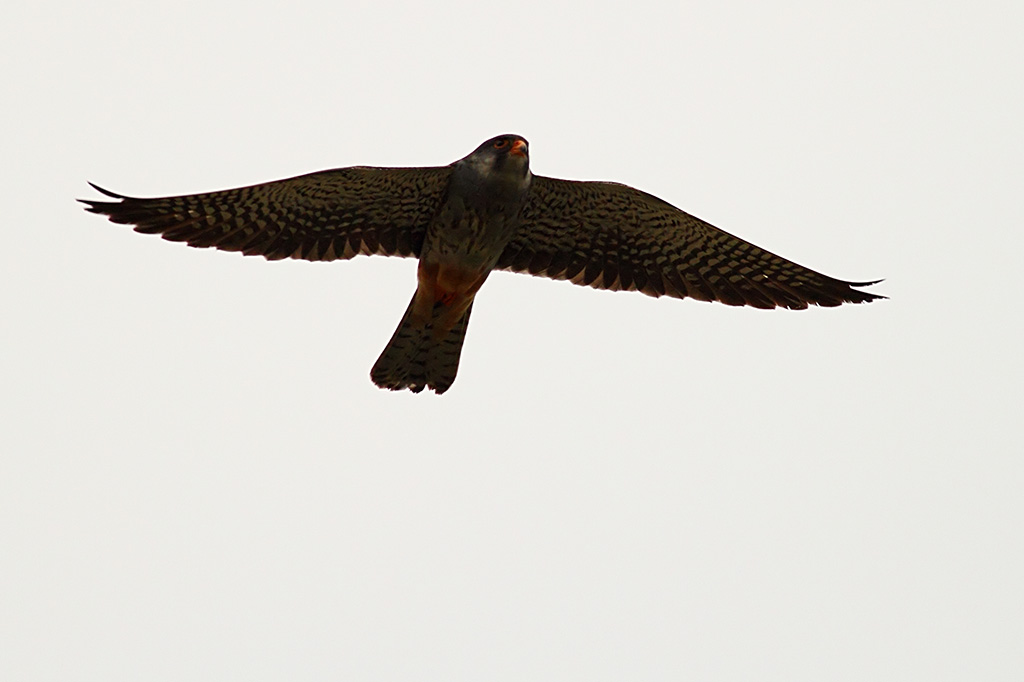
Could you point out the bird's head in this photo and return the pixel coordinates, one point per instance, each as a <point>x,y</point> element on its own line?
<point>505,158</point>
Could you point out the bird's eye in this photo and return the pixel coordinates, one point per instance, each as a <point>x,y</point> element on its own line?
<point>500,144</point>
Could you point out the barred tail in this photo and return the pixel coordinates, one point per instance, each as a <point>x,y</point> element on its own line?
<point>415,359</point>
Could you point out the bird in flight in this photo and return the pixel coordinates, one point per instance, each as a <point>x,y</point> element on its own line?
<point>484,212</point>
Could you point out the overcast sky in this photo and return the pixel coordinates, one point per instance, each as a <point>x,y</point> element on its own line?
<point>198,480</point>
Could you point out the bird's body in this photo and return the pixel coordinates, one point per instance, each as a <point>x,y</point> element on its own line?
<point>475,220</point>
<point>484,212</point>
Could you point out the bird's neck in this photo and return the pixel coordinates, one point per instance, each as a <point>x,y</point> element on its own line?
<point>492,190</point>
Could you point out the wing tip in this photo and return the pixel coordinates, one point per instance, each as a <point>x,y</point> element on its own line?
<point>103,207</point>
<point>864,296</point>
<point>864,284</point>
<point>106,192</point>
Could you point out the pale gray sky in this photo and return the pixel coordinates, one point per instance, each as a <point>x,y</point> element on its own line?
<point>199,482</point>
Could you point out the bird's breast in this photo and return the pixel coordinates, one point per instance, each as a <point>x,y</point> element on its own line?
<point>469,235</point>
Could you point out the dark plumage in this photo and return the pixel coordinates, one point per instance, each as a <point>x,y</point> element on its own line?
<point>483,212</point>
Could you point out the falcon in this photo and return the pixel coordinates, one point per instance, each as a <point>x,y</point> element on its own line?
<point>481,213</point>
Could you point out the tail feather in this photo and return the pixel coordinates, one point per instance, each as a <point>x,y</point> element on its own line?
<point>415,359</point>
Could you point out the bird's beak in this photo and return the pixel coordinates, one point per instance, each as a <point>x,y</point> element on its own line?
<point>518,148</point>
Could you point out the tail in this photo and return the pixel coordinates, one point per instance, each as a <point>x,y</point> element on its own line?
<point>415,358</point>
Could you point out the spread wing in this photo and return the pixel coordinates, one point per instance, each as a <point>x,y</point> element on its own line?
<point>334,214</point>
<point>610,236</point>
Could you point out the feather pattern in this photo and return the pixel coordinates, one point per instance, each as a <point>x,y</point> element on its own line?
<point>610,236</point>
<point>329,215</point>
